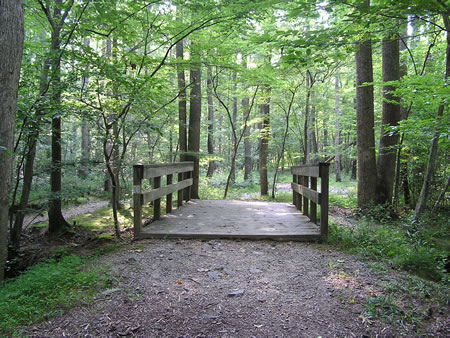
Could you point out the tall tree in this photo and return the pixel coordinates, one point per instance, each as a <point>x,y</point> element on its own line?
<point>195,113</point>
<point>421,202</point>
<point>391,117</point>
<point>247,145</point>
<point>84,170</point>
<point>182,135</point>
<point>264,142</point>
<point>56,20</point>
<point>337,133</point>
<point>367,170</point>
<point>11,40</point>
<point>209,85</point>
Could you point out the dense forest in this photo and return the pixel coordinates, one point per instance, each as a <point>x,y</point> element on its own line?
<point>244,89</point>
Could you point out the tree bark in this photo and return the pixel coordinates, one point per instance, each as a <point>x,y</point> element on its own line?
<point>30,156</point>
<point>85,157</point>
<point>85,150</point>
<point>233,135</point>
<point>421,202</point>
<point>264,143</point>
<point>391,117</point>
<point>337,133</point>
<point>212,163</point>
<point>306,126</point>
<point>399,170</point>
<point>194,119</point>
<point>182,135</point>
<point>56,221</point>
<point>247,145</point>
<point>11,40</point>
<point>367,171</point>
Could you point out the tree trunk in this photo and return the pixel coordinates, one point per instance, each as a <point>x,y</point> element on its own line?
<point>56,221</point>
<point>194,118</point>
<point>85,150</point>
<point>306,143</point>
<point>421,202</point>
<point>85,157</point>
<point>247,145</point>
<point>182,135</point>
<point>11,40</point>
<point>283,144</point>
<point>312,135</point>
<point>264,144</point>
<point>399,171</point>
<point>391,117</point>
<point>367,171</point>
<point>212,163</point>
<point>233,136</point>
<point>29,162</point>
<point>337,133</point>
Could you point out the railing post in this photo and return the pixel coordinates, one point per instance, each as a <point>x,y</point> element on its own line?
<point>294,193</point>
<point>313,210</point>
<point>324,177</point>
<point>157,202</point>
<point>138,173</point>
<point>180,192</point>
<point>169,196</point>
<point>305,183</point>
<point>187,196</point>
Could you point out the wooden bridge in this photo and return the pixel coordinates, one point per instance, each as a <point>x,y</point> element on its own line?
<point>230,218</point>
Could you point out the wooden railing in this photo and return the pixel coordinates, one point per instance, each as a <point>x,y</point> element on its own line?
<point>305,194</point>
<point>154,172</point>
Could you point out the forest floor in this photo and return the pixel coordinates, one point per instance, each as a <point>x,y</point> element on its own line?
<point>224,288</point>
<point>72,211</point>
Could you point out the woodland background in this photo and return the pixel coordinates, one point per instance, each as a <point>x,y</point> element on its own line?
<point>245,89</point>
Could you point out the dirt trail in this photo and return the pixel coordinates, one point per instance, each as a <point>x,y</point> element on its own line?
<point>220,288</point>
<point>67,213</point>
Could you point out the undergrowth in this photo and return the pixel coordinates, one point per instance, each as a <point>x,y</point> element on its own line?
<point>45,290</point>
<point>402,243</point>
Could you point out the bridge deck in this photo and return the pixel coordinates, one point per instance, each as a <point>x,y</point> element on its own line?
<point>234,219</point>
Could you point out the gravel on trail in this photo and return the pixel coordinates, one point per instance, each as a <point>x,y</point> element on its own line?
<point>222,288</point>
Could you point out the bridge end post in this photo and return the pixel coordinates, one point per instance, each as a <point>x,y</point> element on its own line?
<point>138,174</point>
<point>324,185</point>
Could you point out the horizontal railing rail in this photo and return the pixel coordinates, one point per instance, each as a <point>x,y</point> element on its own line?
<point>154,172</point>
<point>305,195</point>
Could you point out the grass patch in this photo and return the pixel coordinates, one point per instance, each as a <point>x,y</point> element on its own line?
<point>400,243</point>
<point>45,290</point>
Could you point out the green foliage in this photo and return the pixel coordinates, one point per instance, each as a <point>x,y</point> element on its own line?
<point>383,307</point>
<point>416,250</point>
<point>348,201</point>
<point>45,290</point>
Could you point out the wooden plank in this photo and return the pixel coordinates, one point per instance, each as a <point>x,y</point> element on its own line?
<point>137,200</point>
<point>156,170</point>
<point>157,202</point>
<point>310,194</point>
<point>169,195</point>
<point>313,207</point>
<point>302,237</point>
<point>312,171</point>
<point>324,185</point>
<point>180,192</point>
<point>305,183</point>
<point>162,191</point>
<point>187,190</point>
<point>294,193</point>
